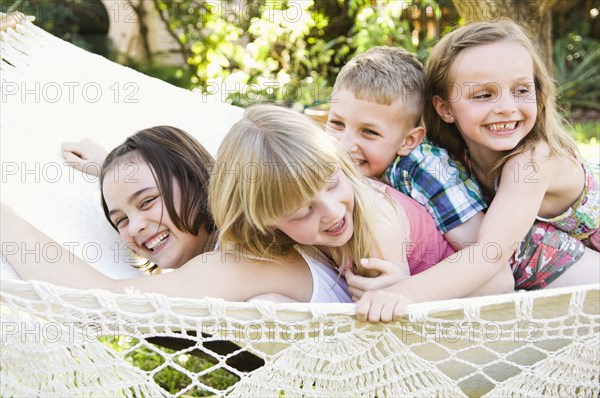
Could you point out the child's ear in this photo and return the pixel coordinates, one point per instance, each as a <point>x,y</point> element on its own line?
<point>411,141</point>
<point>442,108</point>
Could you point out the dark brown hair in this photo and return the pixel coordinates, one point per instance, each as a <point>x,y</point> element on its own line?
<point>170,153</point>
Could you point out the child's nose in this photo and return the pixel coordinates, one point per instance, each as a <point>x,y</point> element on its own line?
<point>329,210</point>
<point>137,224</point>
<point>349,143</point>
<point>505,104</point>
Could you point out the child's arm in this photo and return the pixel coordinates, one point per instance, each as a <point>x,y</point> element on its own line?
<point>209,275</point>
<point>508,219</point>
<point>450,195</point>
<point>387,273</point>
<point>85,155</point>
<point>23,247</point>
<point>465,234</point>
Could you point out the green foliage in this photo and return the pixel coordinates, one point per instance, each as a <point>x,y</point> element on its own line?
<point>577,71</point>
<point>259,51</point>
<point>587,132</point>
<point>382,26</point>
<point>175,75</point>
<point>169,378</point>
<point>56,17</point>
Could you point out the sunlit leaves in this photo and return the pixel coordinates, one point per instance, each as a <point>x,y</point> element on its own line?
<point>258,51</point>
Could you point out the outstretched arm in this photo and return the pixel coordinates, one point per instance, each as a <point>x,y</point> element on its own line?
<point>506,223</point>
<point>85,155</point>
<point>509,217</point>
<point>213,274</point>
<point>466,233</point>
<point>26,248</point>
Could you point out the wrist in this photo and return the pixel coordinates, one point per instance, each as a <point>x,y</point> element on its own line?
<point>403,288</point>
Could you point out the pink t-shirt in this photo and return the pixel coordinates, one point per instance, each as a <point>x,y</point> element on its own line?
<point>427,246</point>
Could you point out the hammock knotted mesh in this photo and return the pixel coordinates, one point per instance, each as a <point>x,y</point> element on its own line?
<point>524,344</point>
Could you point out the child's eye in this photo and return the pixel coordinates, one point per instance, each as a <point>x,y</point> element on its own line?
<point>522,90</point>
<point>120,222</point>
<point>304,214</point>
<point>371,132</point>
<point>482,96</point>
<point>335,123</point>
<point>147,202</point>
<point>333,185</point>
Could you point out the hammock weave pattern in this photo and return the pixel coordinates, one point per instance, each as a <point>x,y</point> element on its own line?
<point>524,344</point>
<point>543,343</point>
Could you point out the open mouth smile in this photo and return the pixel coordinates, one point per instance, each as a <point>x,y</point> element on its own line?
<point>338,228</point>
<point>156,242</point>
<point>504,128</point>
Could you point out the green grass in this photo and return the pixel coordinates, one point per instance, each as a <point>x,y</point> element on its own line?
<point>587,135</point>
<point>587,132</point>
<point>169,378</point>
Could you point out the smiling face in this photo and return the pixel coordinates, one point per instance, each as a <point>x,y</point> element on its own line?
<point>136,207</point>
<point>326,219</point>
<point>373,134</point>
<point>493,98</point>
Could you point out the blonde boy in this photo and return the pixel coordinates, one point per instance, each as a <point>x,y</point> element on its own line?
<point>376,110</point>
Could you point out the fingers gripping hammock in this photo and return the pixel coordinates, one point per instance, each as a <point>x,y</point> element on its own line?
<point>522,344</point>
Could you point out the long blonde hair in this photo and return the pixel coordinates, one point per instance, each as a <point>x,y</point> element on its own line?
<point>548,126</point>
<point>270,163</point>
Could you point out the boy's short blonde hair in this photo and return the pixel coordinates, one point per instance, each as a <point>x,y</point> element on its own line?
<point>384,75</point>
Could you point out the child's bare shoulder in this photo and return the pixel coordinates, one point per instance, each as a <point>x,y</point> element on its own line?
<point>534,156</point>
<point>541,165</point>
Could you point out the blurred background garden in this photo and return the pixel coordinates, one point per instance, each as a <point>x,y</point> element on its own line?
<point>289,52</point>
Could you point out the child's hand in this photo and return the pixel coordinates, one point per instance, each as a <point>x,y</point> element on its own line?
<point>10,21</point>
<point>381,306</point>
<point>390,274</point>
<point>85,155</point>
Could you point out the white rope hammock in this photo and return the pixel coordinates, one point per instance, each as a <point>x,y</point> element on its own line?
<point>543,343</point>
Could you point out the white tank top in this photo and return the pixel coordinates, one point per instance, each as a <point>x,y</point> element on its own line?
<point>328,285</point>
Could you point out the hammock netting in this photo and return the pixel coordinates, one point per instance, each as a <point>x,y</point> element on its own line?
<point>54,339</point>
